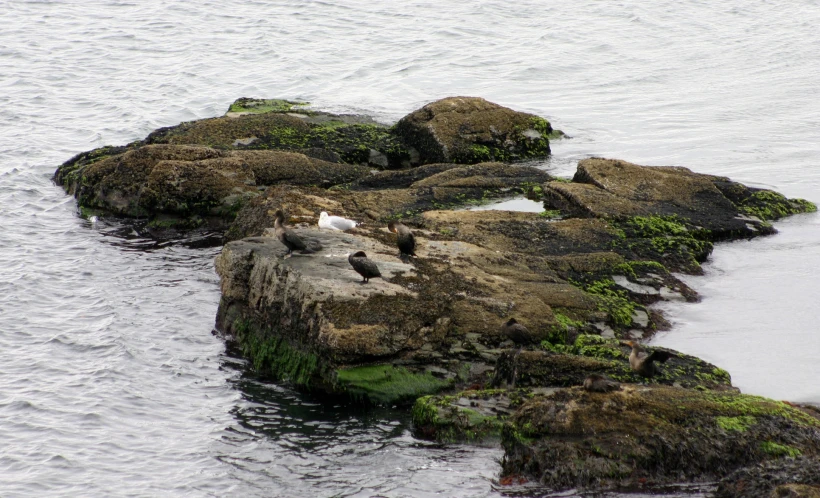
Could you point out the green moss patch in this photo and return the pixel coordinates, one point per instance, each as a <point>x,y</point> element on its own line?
<point>467,416</point>
<point>567,365</point>
<point>664,239</point>
<point>769,205</point>
<point>259,106</point>
<point>275,357</point>
<point>387,384</point>
<point>614,301</point>
<point>353,142</point>
<point>738,424</point>
<point>775,449</point>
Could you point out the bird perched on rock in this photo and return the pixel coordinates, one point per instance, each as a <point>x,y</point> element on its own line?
<point>364,266</point>
<point>516,332</point>
<point>404,239</point>
<point>599,384</point>
<point>335,222</point>
<point>644,363</point>
<point>289,237</point>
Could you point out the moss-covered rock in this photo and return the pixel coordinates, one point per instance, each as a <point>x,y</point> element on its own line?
<point>228,132</point>
<point>614,189</point>
<point>175,185</point>
<point>473,130</point>
<point>561,365</point>
<point>652,436</point>
<point>140,181</point>
<point>472,416</point>
<point>247,105</point>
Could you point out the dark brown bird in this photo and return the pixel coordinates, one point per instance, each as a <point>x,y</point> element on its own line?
<point>287,236</point>
<point>516,332</point>
<point>364,266</point>
<point>644,363</point>
<point>599,384</point>
<point>404,239</point>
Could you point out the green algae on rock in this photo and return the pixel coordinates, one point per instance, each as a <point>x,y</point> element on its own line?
<point>246,105</point>
<point>472,416</point>
<point>387,384</point>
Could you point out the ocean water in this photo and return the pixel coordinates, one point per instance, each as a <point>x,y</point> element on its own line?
<point>112,383</point>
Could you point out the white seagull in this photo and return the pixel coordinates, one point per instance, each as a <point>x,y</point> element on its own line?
<point>335,222</point>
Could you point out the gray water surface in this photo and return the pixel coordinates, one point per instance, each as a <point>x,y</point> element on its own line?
<point>112,383</point>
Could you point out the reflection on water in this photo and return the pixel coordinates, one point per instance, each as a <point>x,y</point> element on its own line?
<point>297,444</point>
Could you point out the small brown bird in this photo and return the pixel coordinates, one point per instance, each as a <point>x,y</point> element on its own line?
<point>364,266</point>
<point>288,237</point>
<point>404,239</point>
<point>599,384</point>
<point>644,363</point>
<point>516,332</point>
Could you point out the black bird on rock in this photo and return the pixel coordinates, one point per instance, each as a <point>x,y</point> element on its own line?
<point>288,237</point>
<point>404,239</point>
<point>644,363</point>
<point>364,266</point>
<point>599,384</point>
<point>516,332</point>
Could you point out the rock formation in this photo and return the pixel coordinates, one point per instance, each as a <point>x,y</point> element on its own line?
<point>580,275</point>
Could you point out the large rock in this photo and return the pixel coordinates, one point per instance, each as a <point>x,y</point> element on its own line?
<point>143,180</point>
<point>650,436</point>
<point>615,189</point>
<point>668,214</point>
<point>441,315</point>
<point>190,180</point>
<point>310,320</point>
<point>277,124</point>
<point>472,130</point>
<point>475,269</point>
